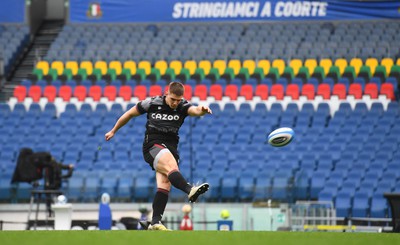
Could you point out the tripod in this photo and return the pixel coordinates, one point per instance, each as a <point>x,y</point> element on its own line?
<point>36,196</point>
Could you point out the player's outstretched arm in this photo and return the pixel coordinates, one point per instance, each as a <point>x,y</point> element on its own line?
<point>198,111</point>
<point>124,119</point>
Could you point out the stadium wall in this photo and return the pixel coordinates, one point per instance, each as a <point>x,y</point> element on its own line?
<point>245,216</point>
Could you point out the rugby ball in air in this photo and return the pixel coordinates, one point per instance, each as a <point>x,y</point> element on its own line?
<point>280,137</point>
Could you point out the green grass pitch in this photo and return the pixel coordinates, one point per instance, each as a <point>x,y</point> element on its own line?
<point>193,237</point>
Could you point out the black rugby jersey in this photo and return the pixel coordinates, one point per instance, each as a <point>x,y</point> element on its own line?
<point>163,122</point>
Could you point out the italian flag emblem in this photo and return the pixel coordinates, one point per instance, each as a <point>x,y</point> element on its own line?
<point>94,10</point>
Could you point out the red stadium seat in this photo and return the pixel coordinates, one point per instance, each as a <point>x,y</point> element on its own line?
<point>110,92</point>
<point>155,90</point>
<point>388,90</point>
<point>277,91</point>
<point>371,89</point>
<point>125,92</point>
<point>216,91</point>
<point>292,90</point>
<point>262,91</point>
<point>201,91</point>
<point>20,93</point>
<point>324,90</point>
<point>80,92</point>
<point>188,92</point>
<point>95,92</point>
<point>65,92</point>
<point>308,90</point>
<point>339,90</point>
<point>247,91</point>
<point>231,91</point>
<point>50,92</point>
<point>35,92</point>
<point>355,89</point>
<point>140,92</point>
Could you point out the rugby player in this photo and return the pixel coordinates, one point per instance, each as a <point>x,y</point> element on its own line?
<point>165,115</point>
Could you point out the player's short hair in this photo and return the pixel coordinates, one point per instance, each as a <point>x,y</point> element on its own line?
<point>176,88</point>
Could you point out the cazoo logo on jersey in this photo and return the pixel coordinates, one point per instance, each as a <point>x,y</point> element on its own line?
<point>164,117</point>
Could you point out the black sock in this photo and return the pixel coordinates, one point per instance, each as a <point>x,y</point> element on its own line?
<point>177,180</point>
<point>159,204</point>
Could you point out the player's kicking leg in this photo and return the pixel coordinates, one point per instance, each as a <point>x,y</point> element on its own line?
<point>167,165</point>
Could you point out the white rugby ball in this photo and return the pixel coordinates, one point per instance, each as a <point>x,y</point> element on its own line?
<point>281,137</point>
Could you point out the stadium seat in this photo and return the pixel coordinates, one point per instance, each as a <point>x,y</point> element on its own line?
<point>44,66</point>
<point>355,89</point>
<point>216,91</point>
<point>20,92</point>
<point>188,92</point>
<point>262,91</point>
<point>191,65</point>
<point>140,92</point>
<point>296,64</point>
<point>155,90</point>
<point>35,92</point>
<point>339,90</point>
<point>356,63</point>
<point>371,89</point>
<point>308,90</point>
<point>80,92</point>
<point>110,92</point>
<point>125,92</point>
<point>292,90</point>
<point>95,92</point>
<point>50,92</point>
<point>277,91</point>
<point>231,91</point>
<point>279,64</point>
<point>200,91</point>
<point>65,92</point>
<point>388,90</point>
<point>265,65</point>
<point>146,66</point>
<point>246,91</point>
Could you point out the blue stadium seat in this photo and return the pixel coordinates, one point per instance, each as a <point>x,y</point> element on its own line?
<point>343,204</point>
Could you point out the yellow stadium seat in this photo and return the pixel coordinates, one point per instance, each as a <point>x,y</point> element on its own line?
<point>250,65</point>
<point>88,66</point>
<point>235,65</point>
<point>398,62</point>
<point>326,64</point>
<point>146,66</point>
<point>372,63</point>
<point>116,65</point>
<point>356,63</point>
<point>279,64</point>
<point>102,65</point>
<point>161,65</point>
<point>58,66</point>
<point>44,66</point>
<point>311,64</point>
<point>73,66</point>
<point>130,65</point>
<point>342,64</point>
<point>205,65</point>
<point>176,65</point>
<point>191,65</point>
<point>296,64</point>
<point>265,65</point>
<point>220,65</point>
<point>387,63</point>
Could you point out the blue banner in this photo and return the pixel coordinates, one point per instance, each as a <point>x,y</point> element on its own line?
<point>224,10</point>
<point>12,11</point>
